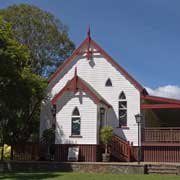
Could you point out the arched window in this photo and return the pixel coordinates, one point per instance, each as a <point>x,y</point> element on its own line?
<point>108,82</point>
<point>76,122</point>
<point>122,109</point>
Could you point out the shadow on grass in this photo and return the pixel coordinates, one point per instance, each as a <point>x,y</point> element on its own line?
<point>29,176</point>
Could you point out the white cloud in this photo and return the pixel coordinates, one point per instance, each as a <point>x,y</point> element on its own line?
<point>168,91</point>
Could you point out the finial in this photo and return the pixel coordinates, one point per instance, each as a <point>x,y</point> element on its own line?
<point>75,72</point>
<point>89,32</point>
<point>75,79</point>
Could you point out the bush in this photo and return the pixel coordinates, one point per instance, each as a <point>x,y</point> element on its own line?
<point>48,136</point>
<point>7,151</point>
<point>106,135</point>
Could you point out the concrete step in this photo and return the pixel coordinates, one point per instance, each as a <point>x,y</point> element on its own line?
<point>164,169</point>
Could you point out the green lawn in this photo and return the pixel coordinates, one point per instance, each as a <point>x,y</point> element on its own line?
<point>81,176</point>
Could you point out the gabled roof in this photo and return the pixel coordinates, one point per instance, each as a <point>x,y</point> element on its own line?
<point>68,60</point>
<point>155,102</point>
<point>161,99</point>
<point>77,84</point>
<point>88,41</point>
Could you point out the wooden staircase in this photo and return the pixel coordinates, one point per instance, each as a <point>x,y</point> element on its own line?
<point>162,169</point>
<point>120,149</point>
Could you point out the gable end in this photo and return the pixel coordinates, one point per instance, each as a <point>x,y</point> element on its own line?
<point>106,55</point>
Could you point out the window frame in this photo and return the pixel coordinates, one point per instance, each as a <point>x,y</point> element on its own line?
<point>75,117</point>
<point>122,124</point>
<point>107,82</point>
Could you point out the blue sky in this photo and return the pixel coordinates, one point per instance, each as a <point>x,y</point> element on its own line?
<point>142,35</point>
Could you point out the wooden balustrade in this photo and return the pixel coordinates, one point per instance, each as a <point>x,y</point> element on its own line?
<point>120,149</point>
<point>161,135</point>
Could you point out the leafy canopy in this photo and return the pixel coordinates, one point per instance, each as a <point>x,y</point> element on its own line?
<point>45,36</point>
<point>21,91</point>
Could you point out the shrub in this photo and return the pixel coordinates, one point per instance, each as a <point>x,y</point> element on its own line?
<point>106,135</point>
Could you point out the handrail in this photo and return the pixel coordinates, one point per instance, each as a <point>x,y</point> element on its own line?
<point>156,128</point>
<point>120,148</point>
<point>161,135</point>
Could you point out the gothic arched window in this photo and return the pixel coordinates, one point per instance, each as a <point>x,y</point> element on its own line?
<point>76,122</point>
<point>108,82</point>
<point>122,109</point>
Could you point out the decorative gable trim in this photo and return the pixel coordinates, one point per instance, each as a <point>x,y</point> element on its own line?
<point>75,53</point>
<point>77,84</point>
<point>87,42</point>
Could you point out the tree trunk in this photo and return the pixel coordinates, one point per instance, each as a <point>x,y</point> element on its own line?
<point>106,148</point>
<point>11,152</point>
<point>2,152</point>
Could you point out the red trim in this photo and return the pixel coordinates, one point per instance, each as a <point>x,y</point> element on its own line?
<point>64,89</point>
<point>77,83</point>
<point>121,69</point>
<point>100,50</point>
<point>161,99</point>
<point>160,106</point>
<point>86,89</point>
<point>75,80</point>
<point>160,144</point>
<point>162,128</point>
<point>69,59</point>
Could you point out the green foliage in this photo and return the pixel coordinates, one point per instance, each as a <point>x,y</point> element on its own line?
<point>106,134</point>
<point>7,152</point>
<point>48,136</point>
<point>21,91</point>
<point>45,36</point>
<point>81,176</point>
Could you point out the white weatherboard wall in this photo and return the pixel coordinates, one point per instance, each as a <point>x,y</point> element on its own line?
<point>96,72</point>
<point>88,114</point>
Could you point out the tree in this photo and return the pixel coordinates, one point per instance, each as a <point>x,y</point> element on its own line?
<point>106,136</point>
<point>48,137</point>
<point>44,35</point>
<point>21,91</point>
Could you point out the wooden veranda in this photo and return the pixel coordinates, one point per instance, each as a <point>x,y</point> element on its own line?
<point>160,129</point>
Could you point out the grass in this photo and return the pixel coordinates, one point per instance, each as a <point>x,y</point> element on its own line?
<point>81,176</point>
